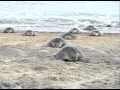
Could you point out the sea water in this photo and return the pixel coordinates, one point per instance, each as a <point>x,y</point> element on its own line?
<point>60,16</point>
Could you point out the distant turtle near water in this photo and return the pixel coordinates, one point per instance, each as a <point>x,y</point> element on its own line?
<point>95,33</point>
<point>74,31</point>
<point>57,42</point>
<point>108,25</point>
<point>29,33</point>
<point>90,28</point>
<point>9,30</point>
<point>71,54</point>
<point>68,36</point>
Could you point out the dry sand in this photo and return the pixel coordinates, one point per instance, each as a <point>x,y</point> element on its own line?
<point>25,62</point>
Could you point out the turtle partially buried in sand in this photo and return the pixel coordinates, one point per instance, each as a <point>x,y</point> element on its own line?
<point>68,36</point>
<point>9,30</point>
<point>57,42</point>
<point>70,53</point>
<point>28,33</point>
<point>95,33</point>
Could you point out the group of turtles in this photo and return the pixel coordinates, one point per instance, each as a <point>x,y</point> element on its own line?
<point>67,52</point>
<point>27,33</point>
<point>67,35</point>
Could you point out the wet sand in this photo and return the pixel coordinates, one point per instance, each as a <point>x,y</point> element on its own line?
<point>25,62</point>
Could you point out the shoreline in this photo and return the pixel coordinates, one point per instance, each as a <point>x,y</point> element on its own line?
<point>81,32</point>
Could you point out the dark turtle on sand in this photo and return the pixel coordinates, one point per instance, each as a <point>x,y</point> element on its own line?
<point>74,31</point>
<point>68,36</point>
<point>90,28</point>
<point>70,53</point>
<point>57,42</point>
<point>9,30</point>
<point>95,33</point>
<point>29,33</point>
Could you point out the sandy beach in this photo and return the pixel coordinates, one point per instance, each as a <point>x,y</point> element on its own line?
<point>25,62</point>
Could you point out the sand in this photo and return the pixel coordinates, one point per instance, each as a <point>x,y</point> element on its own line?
<point>26,63</point>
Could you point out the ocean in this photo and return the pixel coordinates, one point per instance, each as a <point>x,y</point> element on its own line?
<point>60,16</point>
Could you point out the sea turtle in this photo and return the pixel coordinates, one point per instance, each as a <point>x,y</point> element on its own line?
<point>108,25</point>
<point>68,36</point>
<point>95,33</point>
<point>9,30</point>
<point>90,28</point>
<point>74,31</point>
<point>70,53</point>
<point>29,33</point>
<point>56,42</point>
